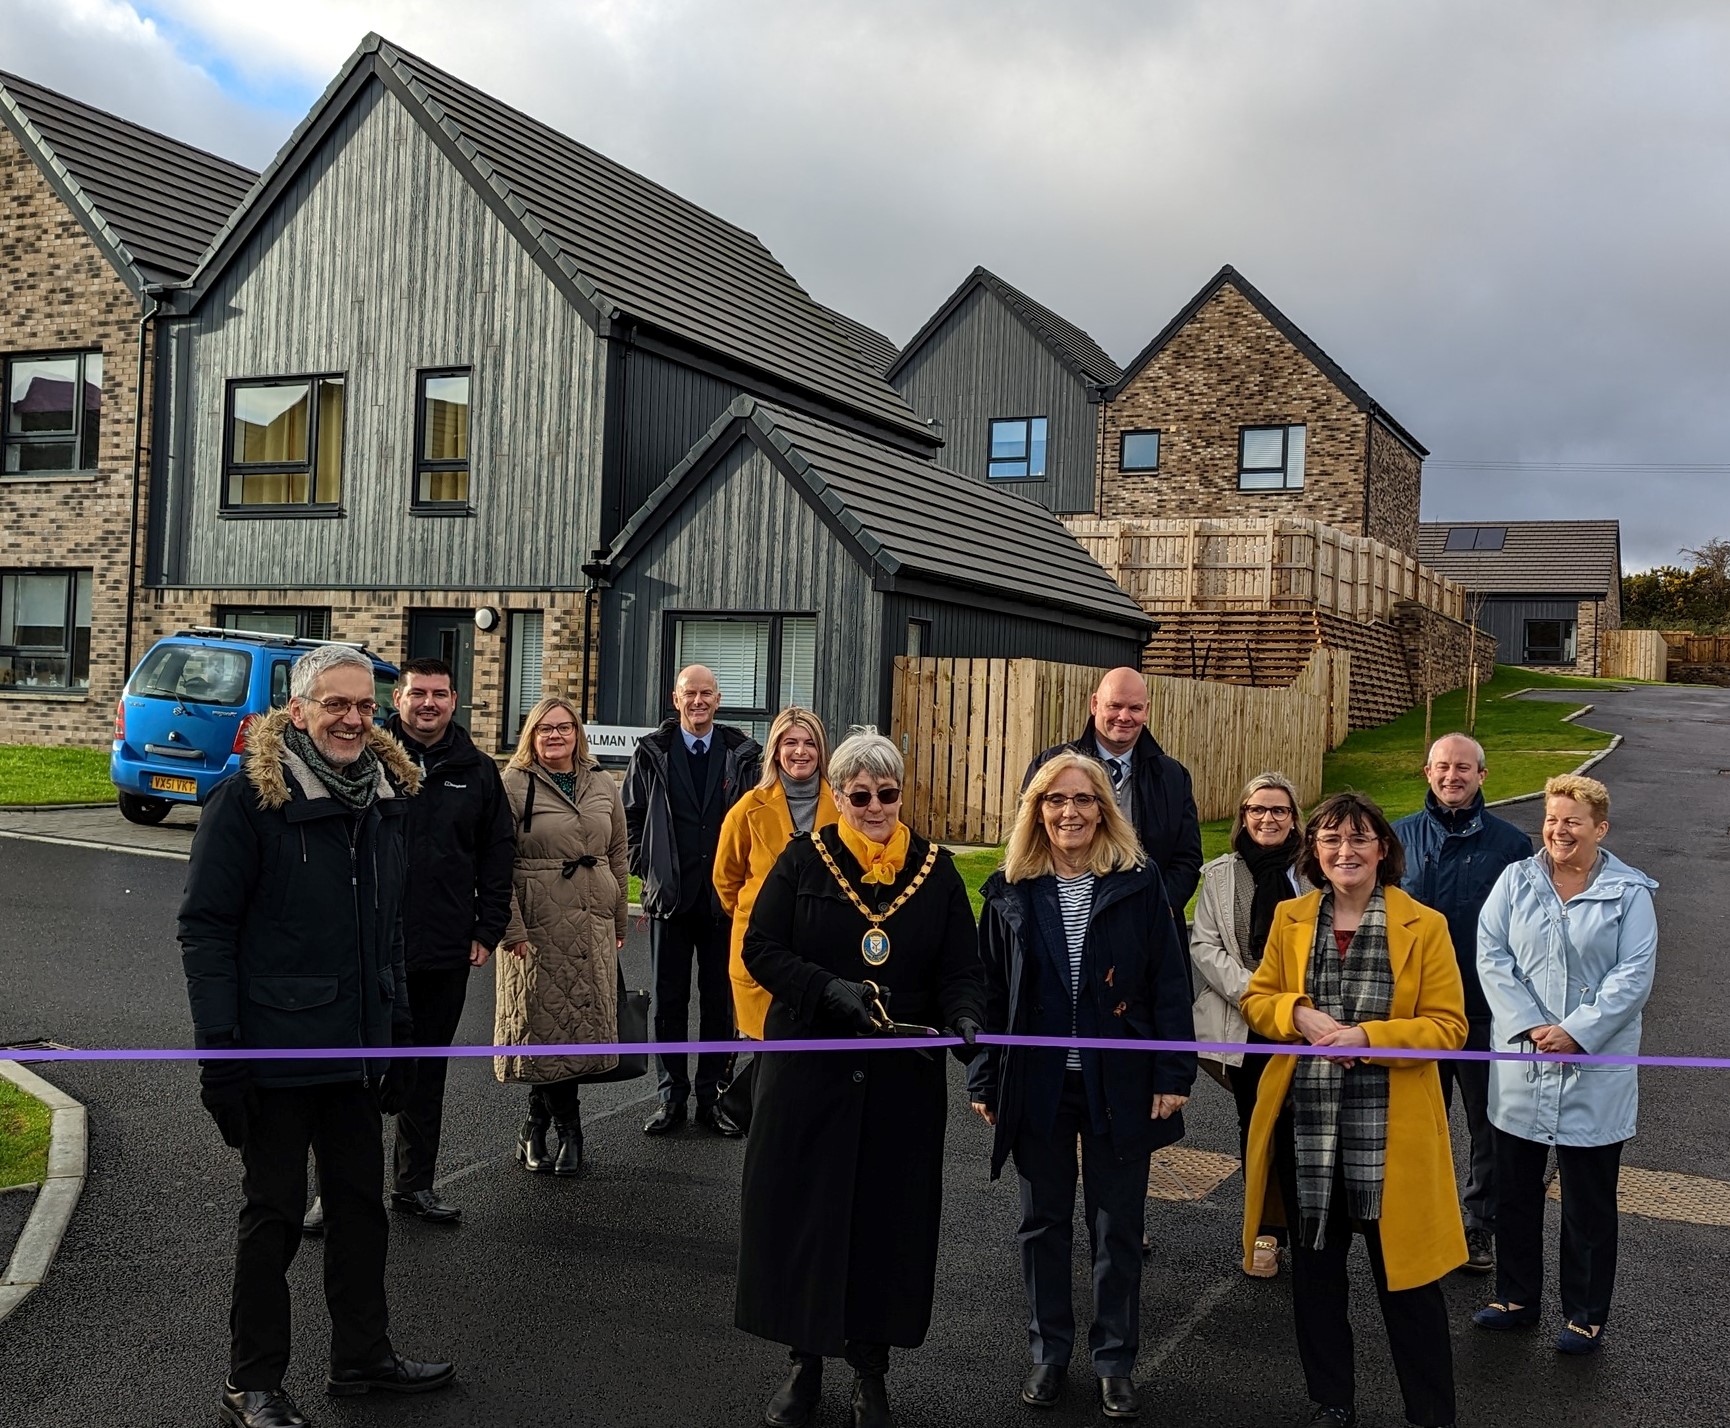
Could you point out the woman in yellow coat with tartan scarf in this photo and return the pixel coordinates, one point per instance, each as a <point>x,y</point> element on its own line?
<point>1357,1143</point>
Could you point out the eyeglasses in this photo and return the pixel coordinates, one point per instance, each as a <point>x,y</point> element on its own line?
<point>1261,810</point>
<point>860,798</point>
<point>1332,842</point>
<point>558,731</point>
<point>1057,802</point>
<point>338,708</point>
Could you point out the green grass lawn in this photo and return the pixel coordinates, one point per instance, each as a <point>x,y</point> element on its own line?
<point>34,774</point>
<point>24,1126</point>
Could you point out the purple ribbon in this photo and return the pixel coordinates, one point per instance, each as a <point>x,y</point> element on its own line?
<point>866,1043</point>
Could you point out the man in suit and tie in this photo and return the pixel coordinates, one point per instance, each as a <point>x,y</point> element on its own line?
<point>681,781</point>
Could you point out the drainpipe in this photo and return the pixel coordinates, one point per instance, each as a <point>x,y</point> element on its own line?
<point>152,307</point>
<point>597,571</point>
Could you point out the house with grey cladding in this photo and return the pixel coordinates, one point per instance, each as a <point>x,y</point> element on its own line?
<point>432,370</point>
<point>1014,390</point>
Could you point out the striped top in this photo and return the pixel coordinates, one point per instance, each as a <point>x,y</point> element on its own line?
<point>1075,901</point>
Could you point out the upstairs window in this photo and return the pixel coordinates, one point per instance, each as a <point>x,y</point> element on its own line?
<point>441,473</point>
<point>1138,451</point>
<point>1477,537</point>
<point>1270,458</point>
<point>53,413</point>
<point>1017,449</point>
<point>44,631</point>
<point>285,444</point>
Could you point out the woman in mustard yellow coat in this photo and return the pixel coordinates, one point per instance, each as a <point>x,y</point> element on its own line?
<point>793,795</point>
<point>1355,1143</point>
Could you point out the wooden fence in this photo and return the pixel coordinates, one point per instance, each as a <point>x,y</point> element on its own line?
<point>969,728</point>
<point>1633,654</point>
<point>1689,648</point>
<point>1284,563</point>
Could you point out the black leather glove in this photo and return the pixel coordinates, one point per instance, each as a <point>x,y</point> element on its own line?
<point>847,1004</point>
<point>225,1088</point>
<point>393,1081</point>
<point>968,1030</point>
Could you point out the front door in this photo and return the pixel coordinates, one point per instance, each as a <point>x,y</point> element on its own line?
<point>448,635</point>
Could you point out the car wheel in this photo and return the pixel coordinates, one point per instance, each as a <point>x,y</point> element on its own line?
<point>143,810</point>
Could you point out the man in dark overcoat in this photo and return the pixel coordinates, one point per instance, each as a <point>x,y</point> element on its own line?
<point>291,937</point>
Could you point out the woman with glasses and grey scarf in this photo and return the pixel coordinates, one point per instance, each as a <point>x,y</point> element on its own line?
<point>1345,1142</point>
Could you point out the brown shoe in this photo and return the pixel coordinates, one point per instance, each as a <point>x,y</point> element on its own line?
<point>1264,1258</point>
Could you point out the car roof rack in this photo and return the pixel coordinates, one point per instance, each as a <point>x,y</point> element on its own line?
<point>219,632</point>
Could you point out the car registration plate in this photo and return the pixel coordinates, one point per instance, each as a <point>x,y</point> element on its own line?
<point>162,783</point>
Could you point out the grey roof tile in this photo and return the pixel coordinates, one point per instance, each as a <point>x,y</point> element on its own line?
<point>915,517</point>
<point>164,200</point>
<point>879,352</point>
<point>1536,558</point>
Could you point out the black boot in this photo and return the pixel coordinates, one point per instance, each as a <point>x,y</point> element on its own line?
<point>871,1402</point>
<point>795,1401</point>
<point>570,1157</point>
<point>532,1150</point>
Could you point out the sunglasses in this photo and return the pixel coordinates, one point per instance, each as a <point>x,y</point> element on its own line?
<point>887,797</point>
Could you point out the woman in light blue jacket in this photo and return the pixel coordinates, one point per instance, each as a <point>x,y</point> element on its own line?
<point>1567,948</point>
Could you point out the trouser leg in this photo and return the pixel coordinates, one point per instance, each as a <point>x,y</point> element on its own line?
<point>865,1358</point>
<point>1417,1325</point>
<point>346,1138</point>
<point>436,1000</point>
<point>1589,1229</point>
<point>273,1181</point>
<point>670,953</point>
<point>563,1100</point>
<point>1046,1166</point>
<point>1519,1218</point>
<point>1114,1200</point>
<point>1245,1082</point>
<point>1478,1200</point>
<point>1320,1286</point>
<point>711,937</point>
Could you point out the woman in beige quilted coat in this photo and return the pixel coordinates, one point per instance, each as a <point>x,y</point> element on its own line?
<point>569,897</point>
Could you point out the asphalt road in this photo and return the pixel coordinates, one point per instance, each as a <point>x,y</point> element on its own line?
<point>608,1301</point>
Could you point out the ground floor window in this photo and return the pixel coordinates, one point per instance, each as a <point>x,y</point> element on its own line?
<point>300,622</point>
<point>1549,642</point>
<point>44,630</point>
<point>522,672</point>
<point>762,663</point>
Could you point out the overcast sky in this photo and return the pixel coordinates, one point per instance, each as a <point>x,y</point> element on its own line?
<point>1509,222</point>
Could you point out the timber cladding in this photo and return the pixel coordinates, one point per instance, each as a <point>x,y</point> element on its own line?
<point>63,295</point>
<point>1228,368</point>
<point>968,728</point>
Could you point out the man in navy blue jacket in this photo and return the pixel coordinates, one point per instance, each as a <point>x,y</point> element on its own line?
<point>1455,851</point>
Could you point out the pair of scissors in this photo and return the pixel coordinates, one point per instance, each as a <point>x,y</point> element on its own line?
<point>876,999</point>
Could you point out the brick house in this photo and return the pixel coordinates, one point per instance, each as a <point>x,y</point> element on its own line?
<point>1547,590</point>
<point>1232,411</point>
<point>95,214</point>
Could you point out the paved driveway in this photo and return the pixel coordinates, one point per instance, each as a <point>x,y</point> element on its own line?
<point>608,1301</point>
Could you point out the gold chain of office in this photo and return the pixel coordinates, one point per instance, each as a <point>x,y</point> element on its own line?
<point>875,946</point>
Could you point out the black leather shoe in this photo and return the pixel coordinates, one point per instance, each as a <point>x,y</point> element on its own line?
<point>259,1408</point>
<point>313,1224</point>
<point>395,1375</point>
<point>715,1119</point>
<point>424,1205</point>
<point>1327,1417</point>
<point>794,1402</point>
<point>871,1402</point>
<point>669,1116</point>
<point>1043,1385</point>
<point>569,1160</point>
<point>532,1152</point>
<point>1118,1398</point>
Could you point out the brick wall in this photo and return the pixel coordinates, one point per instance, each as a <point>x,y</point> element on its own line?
<point>1439,652</point>
<point>1396,488</point>
<point>62,294</point>
<point>1226,369</point>
<point>380,618</point>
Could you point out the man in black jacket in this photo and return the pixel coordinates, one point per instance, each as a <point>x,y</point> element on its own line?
<point>291,937</point>
<point>460,846</point>
<point>1153,789</point>
<point>681,781</point>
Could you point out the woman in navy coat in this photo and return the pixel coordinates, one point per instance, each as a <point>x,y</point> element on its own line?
<point>1078,941</point>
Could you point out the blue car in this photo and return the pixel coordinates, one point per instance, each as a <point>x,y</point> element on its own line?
<point>181,725</point>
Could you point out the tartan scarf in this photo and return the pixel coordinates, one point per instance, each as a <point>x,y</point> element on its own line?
<point>355,787</point>
<point>1340,1116</point>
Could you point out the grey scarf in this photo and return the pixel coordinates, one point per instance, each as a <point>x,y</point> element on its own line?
<point>802,800</point>
<point>1340,1116</point>
<point>355,787</point>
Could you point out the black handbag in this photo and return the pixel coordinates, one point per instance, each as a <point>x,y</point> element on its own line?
<point>633,1026</point>
<point>740,1095</point>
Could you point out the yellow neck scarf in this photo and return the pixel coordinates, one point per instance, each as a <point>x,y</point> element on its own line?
<point>882,862</point>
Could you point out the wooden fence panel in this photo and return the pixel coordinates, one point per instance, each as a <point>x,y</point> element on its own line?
<point>1633,654</point>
